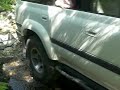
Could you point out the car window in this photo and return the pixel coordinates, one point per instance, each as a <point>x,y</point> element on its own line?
<point>34,1</point>
<point>45,2</point>
<point>107,7</point>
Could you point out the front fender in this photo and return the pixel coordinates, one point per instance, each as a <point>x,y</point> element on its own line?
<point>42,34</point>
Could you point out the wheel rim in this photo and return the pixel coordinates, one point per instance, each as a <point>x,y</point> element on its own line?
<point>37,61</point>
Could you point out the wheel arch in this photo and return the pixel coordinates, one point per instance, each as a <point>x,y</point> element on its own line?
<point>31,27</point>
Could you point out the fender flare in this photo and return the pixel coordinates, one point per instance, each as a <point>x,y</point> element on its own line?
<point>42,34</point>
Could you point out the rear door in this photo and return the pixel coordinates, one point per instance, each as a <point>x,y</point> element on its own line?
<point>106,42</point>
<point>104,49</point>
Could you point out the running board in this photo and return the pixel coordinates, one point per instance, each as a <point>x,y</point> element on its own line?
<point>79,78</point>
<point>76,80</point>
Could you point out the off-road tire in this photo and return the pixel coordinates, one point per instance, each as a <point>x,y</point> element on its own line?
<point>48,74</point>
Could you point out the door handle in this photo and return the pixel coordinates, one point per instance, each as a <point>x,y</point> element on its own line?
<point>91,33</point>
<point>44,18</point>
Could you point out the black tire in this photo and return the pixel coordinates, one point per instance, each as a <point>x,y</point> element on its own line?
<point>40,67</point>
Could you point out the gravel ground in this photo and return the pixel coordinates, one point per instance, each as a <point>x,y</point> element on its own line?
<point>16,71</point>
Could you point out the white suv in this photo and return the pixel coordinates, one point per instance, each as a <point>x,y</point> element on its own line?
<point>81,44</point>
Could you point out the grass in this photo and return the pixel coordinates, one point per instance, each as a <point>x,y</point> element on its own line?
<point>3,80</point>
<point>3,86</point>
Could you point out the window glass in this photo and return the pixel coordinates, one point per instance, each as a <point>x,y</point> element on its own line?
<point>45,2</point>
<point>34,1</point>
<point>107,7</point>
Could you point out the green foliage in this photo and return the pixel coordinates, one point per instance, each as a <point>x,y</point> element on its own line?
<point>6,4</point>
<point>3,80</point>
<point>3,86</point>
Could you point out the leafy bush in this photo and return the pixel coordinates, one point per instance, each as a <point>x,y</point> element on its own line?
<point>3,86</point>
<point>6,4</point>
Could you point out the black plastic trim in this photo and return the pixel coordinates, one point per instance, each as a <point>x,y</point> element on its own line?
<point>79,78</point>
<point>89,57</point>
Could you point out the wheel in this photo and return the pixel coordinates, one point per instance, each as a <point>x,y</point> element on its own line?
<point>40,67</point>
